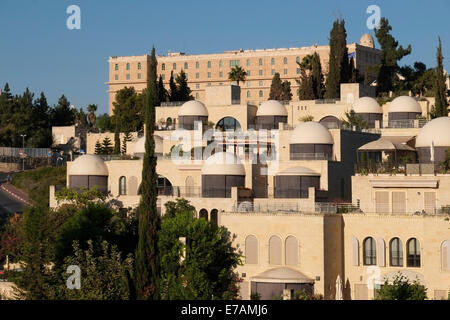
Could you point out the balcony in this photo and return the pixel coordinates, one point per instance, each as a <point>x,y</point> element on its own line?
<point>310,156</point>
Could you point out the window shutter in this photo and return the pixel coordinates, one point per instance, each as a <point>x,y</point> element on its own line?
<point>445,253</point>
<point>381,253</point>
<point>355,251</point>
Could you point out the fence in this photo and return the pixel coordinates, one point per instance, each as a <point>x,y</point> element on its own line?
<point>310,156</point>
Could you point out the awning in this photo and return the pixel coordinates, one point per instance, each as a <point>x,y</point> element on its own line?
<point>282,275</point>
<point>386,144</point>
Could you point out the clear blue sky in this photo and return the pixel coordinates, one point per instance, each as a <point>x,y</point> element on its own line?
<point>39,52</point>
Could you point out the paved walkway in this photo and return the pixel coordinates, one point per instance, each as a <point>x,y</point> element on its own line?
<point>16,193</point>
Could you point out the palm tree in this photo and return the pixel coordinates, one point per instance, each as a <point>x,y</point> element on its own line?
<point>237,74</point>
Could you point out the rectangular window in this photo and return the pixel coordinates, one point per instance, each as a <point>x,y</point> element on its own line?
<point>260,72</point>
<point>197,75</point>
<point>209,74</point>
<point>272,61</point>
<point>285,71</point>
<point>128,76</point>
<point>197,86</point>
<point>234,63</point>
<point>116,77</point>
<point>139,66</point>
<point>261,83</point>
<point>273,72</point>
<point>248,62</point>
<point>186,66</point>
<point>163,76</point>
<point>220,74</point>
<point>249,73</point>
<point>197,96</point>
<point>174,67</point>
<point>220,63</point>
<point>248,83</point>
<point>197,64</point>
<point>209,64</point>
<point>139,75</point>
<point>116,67</point>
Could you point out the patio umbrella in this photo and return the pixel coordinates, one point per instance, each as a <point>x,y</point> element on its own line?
<point>339,294</point>
<point>432,152</point>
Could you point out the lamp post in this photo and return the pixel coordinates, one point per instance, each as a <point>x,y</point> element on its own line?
<point>23,147</point>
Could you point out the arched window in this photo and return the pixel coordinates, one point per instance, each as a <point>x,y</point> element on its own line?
<point>445,255</point>
<point>164,186</point>
<point>163,66</point>
<point>186,66</point>
<point>285,60</point>
<point>214,216</point>
<point>413,253</point>
<point>203,214</point>
<point>260,93</point>
<point>122,186</point>
<point>228,123</point>
<point>260,61</point>
<point>396,252</point>
<point>369,252</point>
<point>291,251</point>
<point>128,66</point>
<point>275,250</point>
<point>174,66</point>
<point>139,66</point>
<point>251,250</point>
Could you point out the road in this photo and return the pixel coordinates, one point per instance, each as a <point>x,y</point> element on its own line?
<point>8,204</point>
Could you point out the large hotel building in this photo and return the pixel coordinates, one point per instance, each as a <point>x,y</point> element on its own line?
<point>205,70</point>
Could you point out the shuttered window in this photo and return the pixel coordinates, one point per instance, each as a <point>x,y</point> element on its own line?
<point>398,202</point>
<point>251,250</point>
<point>275,250</point>
<point>430,202</point>
<point>382,202</point>
<point>445,253</point>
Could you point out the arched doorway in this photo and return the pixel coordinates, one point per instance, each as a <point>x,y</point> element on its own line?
<point>164,186</point>
<point>228,123</point>
<point>215,216</point>
<point>331,122</point>
<point>203,214</point>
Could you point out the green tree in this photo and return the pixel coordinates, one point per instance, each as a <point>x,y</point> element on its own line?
<point>128,114</point>
<point>173,88</point>
<point>208,268</point>
<point>276,87</point>
<point>317,77</point>
<point>237,74</point>
<point>92,108</point>
<point>62,114</point>
<point>440,89</point>
<point>147,255</point>
<point>183,90</point>
<point>126,138</point>
<point>162,92</point>
<point>180,205</point>
<point>402,288</point>
<point>353,120</point>
<point>103,123</point>
<point>116,140</point>
<point>306,89</point>
<point>98,148</point>
<point>41,135</point>
<point>391,54</point>
<point>107,147</point>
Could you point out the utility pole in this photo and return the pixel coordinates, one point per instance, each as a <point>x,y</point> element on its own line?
<point>23,147</point>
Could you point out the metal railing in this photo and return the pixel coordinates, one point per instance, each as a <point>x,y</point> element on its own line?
<point>310,156</point>
<point>172,103</point>
<point>25,152</point>
<point>406,123</point>
<point>325,101</point>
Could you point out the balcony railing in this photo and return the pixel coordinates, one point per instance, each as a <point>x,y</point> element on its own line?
<point>172,103</point>
<point>290,193</point>
<point>310,156</point>
<point>407,123</point>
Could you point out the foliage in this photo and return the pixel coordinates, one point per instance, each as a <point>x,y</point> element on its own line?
<point>440,89</point>
<point>103,123</point>
<point>303,295</point>
<point>36,182</point>
<point>107,147</point>
<point>391,54</point>
<point>180,205</point>
<point>163,95</point>
<point>105,275</point>
<point>401,289</point>
<point>80,197</point>
<point>207,271</point>
<point>11,239</point>
<point>128,110</point>
<point>98,148</point>
<point>353,120</point>
<point>255,296</point>
<point>126,138</point>
<point>279,90</point>
<point>306,89</point>
<point>306,118</point>
<point>237,74</point>
<point>147,255</point>
<point>183,90</point>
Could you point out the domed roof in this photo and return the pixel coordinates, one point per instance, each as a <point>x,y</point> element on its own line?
<point>88,165</point>
<point>367,41</point>
<point>404,104</point>
<point>436,131</point>
<point>311,132</point>
<point>282,275</point>
<point>298,171</point>
<point>139,146</point>
<point>367,105</point>
<point>223,163</point>
<point>193,108</point>
<point>271,108</point>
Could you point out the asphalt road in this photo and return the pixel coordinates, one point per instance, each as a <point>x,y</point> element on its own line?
<point>8,204</point>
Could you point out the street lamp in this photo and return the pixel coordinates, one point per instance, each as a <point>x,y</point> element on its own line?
<point>23,147</point>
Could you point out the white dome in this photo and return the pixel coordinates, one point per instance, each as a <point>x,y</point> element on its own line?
<point>312,133</point>
<point>298,171</point>
<point>139,146</point>
<point>223,163</point>
<point>367,105</point>
<point>436,131</point>
<point>367,41</point>
<point>404,104</point>
<point>271,108</point>
<point>88,165</point>
<point>193,108</point>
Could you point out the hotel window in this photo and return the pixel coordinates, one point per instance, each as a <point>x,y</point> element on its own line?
<point>248,93</point>
<point>209,84</point>
<point>116,67</point>
<point>116,77</point>
<point>220,74</point>
<point>197,96</point>
<point>248,73</point>
<point>197,86</point>
<point>122,185</point>
<point>248,83</point>
<point>186,65</point>
<point>369,252</point>
<point>260,61</point>
<point>163,76</point>
<point>297,59</point>
<point>139,75</point>
<point>445,255</point>
<point>209,64</point>
<point>273,72</point>
<point>174,66</point>
<point>128,66</point>
<point>209,74</point>
<point>197,64</point>
<point>285,60</point>
<point>396,253</point>
<point>298,70</point>
<point>248,62</point>
<point>220,64</point>
<point>260,93</point>
<point>197,75</point>
<point>128,76</point>
<point>261,83</point>
<point>413,253</point>
<point>260,72</point>
<point>163,66</point>
<point>139,66</point>
<point>273,61</point>
<point>285,71</point>
<point>234,63</point>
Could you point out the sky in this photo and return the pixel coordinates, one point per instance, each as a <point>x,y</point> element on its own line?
<point>38,51</point>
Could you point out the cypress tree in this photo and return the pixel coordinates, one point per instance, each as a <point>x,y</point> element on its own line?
<point>173,88</point>
<point>98,147</point>
<point>286,94</point>
<point>147,256</point>
<point>183,90</point>
<point>306,90</point>
<point>275,88</point>
<point>116,140</point>
<point>317,77</point>
<point>162,92</point>
<point>441,105</point>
